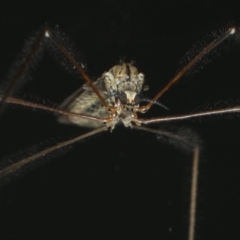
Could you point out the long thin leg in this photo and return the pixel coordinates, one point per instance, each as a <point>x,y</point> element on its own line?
<point>230,110</point>
<point>24,103</point>
<point>76,65</point>
<point>194,179</point>
<point>206,50</point>
<point>22,162</point>
<point>23,66</point>
<point>40,42</point>
<point>193,197</point>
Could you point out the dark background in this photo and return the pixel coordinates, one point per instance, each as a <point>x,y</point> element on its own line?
<point>125,184</point>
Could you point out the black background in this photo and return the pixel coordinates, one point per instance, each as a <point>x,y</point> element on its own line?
<point>124,184</point>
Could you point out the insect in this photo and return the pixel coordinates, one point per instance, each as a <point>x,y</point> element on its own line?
<point>112,99</point>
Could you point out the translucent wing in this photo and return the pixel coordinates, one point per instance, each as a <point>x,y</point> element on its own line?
<point>85,101</point>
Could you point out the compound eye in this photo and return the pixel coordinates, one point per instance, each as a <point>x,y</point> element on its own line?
<point>137,99</point>
<point>123,98</point>
<point>141,76</point>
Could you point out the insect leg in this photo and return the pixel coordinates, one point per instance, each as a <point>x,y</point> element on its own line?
<point>207,49</point>
<point>34,46</point>
<point>15,166</point>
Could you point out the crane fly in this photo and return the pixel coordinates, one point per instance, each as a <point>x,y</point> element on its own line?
<point>114,98</point>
